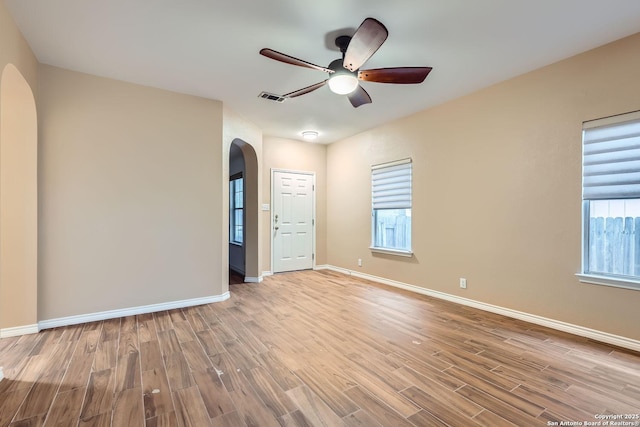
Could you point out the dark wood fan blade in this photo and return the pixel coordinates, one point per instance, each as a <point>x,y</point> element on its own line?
<point>278,56</point>
<point>359,97</point>
<point>305,90</point>
<point>401,75</point>
<point>368,38</point>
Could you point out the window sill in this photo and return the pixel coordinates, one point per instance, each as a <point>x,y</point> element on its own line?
<point>617,282</point>
<point>235,244</point>
<point>397,252</point>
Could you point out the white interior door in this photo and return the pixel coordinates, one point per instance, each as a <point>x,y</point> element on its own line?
<point>292,221</point>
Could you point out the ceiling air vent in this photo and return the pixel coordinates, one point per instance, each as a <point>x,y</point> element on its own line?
<point>271,97</point>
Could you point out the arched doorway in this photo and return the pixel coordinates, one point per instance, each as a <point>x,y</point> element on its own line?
<point>243,253</point>
<point>18,205</point>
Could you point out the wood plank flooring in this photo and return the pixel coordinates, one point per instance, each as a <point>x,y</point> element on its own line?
<point>314,349</point>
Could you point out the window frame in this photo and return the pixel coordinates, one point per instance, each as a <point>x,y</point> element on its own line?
<point>585,275</point>
<point>382,249</point>
<point>233,208</point>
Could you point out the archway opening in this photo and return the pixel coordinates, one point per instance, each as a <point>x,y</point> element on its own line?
<point>18,205</point>
<point>243,213</point>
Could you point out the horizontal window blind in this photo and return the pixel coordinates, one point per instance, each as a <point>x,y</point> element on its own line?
<point>611,158</point>
<point>391,185</point>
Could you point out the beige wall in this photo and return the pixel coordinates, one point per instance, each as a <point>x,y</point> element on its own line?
<point>293,155</point>
<point>18,201</point>
<point>130,195</point>
<point>497,191</point>
<point>18,192</point>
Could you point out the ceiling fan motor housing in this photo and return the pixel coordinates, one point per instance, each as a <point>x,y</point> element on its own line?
<point>342,42</point>
<point>338,67</point>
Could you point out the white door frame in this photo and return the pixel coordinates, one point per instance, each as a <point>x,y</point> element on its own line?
<point>271,219</point>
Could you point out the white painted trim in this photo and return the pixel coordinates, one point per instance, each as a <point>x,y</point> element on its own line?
<point>112,314</point>
<point>19,330</point>
<point>267,273</point>
<point>605,337</point>
<point>1,374</point>
<point>253,279</point>
<point>386,251</point>
<point>624,283</point>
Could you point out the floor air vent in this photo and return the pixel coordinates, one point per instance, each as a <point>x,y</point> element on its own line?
<point>271,96</point>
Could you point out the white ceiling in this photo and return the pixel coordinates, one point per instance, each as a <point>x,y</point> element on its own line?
<point>210,48</point>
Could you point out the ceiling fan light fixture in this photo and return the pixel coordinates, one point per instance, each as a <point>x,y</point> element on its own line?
<point>345,74</point>
<point>309,135</point>
<point>343,83</point>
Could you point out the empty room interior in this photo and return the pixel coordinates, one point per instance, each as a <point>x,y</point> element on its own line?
<point>201,226</point>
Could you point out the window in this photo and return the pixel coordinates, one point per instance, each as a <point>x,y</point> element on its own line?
<point>236,207</point>
<point>391,207</point>
<point>611,201</point>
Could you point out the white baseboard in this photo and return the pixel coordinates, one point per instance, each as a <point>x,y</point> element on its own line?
<point>19,330</point>
<point>112,314</point>
<point>258,279</point>
<point>596,335</point>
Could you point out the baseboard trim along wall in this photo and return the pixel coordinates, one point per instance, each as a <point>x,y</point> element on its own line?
<point>18,330</point>
<point>527,317</point>
<point>112,314</point>
<point>258,279</point>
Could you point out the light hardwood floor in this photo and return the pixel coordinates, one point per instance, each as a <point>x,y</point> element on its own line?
<point>313,349</point>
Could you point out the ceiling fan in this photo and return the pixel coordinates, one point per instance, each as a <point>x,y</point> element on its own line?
<point>345,72</point>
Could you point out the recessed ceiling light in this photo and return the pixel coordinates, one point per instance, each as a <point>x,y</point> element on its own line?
<point>309,135</point>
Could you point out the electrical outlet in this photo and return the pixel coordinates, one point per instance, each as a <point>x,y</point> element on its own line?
<point>359,262</point>
<point>463,283</point>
